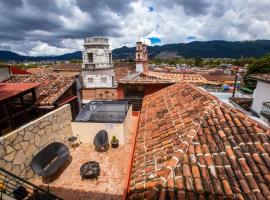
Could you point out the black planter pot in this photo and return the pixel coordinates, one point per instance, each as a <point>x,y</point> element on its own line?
<point>115,144</point>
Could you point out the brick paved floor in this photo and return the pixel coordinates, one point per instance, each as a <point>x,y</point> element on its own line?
<point>110,183</point>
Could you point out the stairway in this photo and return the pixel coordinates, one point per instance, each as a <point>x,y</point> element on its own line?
<point>13,187</point>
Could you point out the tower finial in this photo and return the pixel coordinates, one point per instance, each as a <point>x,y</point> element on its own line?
<point>139,38</point>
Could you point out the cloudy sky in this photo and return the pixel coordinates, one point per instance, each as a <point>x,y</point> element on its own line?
<point>53,27</point>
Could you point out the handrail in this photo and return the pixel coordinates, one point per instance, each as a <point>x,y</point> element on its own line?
<point>11,183</point>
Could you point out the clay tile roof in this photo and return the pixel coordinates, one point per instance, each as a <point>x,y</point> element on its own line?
<point>190,145</point>
<point>76,67</point>
<point>218,78</point>
<point>40,70</point>
<point>180,77</point>
<point>52,87</point>
<point>123,69</point>
<point>142,78</point>
<point>261,77</point>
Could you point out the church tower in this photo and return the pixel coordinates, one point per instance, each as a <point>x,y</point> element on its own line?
<point>141,57</point>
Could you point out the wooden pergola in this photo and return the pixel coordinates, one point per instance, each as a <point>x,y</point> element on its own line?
<point>16,105</point>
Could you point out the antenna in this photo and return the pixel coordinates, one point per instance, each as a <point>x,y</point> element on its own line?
<point>139,38</point>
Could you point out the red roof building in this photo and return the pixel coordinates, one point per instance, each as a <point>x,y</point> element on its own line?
<point>189,145</point>
<point>16,70</point>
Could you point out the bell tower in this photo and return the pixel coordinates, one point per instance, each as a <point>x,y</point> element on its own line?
<point>141,57</point>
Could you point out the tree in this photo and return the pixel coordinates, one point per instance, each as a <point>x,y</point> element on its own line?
<point>262,65</point>
<point>198,61</point>
<point>75,61</point>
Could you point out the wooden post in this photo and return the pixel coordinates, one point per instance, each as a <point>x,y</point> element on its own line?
<point>235,80</point>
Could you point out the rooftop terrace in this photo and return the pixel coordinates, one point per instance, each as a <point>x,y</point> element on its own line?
<point>110,184</point>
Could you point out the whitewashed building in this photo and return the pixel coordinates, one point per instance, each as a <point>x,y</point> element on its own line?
<point>97,67</point>
<point>4,72</point>
<point>261,95</point>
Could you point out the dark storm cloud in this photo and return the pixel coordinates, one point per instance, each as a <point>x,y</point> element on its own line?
<point>194,7</point>
<point>12,3</point>
<point>30,26</point>
<point>121,7</point>
<point>41,20</point>
<point>190,7</point>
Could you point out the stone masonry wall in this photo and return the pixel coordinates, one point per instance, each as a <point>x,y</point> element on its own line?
<point>18,147</point>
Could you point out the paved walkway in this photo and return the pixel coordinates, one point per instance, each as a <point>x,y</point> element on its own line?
<point>109,185</point>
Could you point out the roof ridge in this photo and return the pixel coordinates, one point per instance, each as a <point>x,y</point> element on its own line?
<point>210,96</point>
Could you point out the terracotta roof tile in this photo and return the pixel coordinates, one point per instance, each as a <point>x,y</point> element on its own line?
<point>261,77</point>
<point>193,146</point>
<point>180,77</point>
<point>74,67</point>
<point>141,78</point>
<point>123,69</point>
<point>40,70</point>
<point>152,77</point>
<point>52,87</point>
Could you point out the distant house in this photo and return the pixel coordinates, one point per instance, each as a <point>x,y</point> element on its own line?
<point>40,70</point>
<point>4,72</point>
<point>261,95</point>
<point>16,70</point>
<point>70,68</point>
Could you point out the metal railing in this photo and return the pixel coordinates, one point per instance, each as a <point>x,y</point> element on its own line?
<point>265,111</point>
<point>14,187</point>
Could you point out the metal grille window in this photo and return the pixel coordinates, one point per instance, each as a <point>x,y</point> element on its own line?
<point>103,79</point>
<point>90,80</point>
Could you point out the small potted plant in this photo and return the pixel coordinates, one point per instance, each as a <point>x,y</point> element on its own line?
<point>114,142</point>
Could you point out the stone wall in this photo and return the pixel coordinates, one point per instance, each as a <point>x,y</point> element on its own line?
<point>18,147</point>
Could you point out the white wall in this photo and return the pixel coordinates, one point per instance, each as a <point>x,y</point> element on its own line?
<point>4,73</point>
<point>139,67</point>
<point>97,81</point>
<point>260,95</point>
<point>88,130</point>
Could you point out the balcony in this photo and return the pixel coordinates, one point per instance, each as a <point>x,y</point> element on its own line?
<point>265,111</point>
<point>90,66</point>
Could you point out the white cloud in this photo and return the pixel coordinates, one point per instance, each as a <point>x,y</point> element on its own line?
<point>44,49</point>
<point>62,28</point>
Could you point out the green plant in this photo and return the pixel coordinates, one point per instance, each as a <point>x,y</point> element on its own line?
<point>114,139</point>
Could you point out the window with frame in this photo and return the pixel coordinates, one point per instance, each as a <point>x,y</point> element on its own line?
<point>90,80</point>
<point>103,79</point>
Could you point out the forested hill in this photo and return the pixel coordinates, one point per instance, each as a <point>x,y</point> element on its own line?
<point>208,49</point>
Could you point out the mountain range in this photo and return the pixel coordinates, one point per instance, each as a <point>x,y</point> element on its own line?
<point>207,49</point>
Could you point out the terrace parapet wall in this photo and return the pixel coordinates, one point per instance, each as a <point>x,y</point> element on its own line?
<point>18,147</point>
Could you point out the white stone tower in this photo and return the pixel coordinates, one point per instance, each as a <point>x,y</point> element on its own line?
<point>97,67</point>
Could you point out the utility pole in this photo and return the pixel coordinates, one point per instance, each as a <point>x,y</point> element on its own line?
<point>235,80</point>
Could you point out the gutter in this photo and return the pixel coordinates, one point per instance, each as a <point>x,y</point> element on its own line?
<point>131,158</point>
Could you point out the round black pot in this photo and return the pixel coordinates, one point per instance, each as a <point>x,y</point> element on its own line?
<point>115,144</point>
